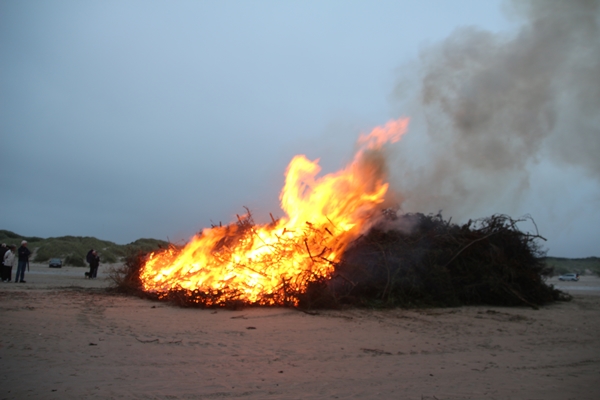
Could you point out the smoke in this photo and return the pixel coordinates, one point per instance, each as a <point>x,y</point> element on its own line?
<point>496,105</point>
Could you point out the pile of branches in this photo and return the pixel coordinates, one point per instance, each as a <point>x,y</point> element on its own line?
<point>126,277</point>
<point>415,260</point>
<point>428,261</point>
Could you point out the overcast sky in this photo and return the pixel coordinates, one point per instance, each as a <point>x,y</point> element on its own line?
<point>131,119</point>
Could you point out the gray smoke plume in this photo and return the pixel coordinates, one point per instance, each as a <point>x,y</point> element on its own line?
<point>496,104</point>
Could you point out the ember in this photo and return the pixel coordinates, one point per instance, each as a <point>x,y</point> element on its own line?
<point>273,264</point>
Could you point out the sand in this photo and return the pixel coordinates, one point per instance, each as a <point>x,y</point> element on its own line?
<point>63,336</point>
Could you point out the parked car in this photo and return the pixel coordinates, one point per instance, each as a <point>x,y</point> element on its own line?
<point>569,277</point>
<point>55,263</point>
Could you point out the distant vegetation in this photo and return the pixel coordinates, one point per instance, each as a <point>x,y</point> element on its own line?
<point>73,249</point>
<point>581,266</point>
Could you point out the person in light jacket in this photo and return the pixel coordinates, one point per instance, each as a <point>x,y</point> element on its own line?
<point>8,262</point>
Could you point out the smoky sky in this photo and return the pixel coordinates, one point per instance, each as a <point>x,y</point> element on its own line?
<point>496,108</point>
<point>134,119</point>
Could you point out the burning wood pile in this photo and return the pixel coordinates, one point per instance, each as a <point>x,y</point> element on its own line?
<point>325,251</point>
<point>434,263</point>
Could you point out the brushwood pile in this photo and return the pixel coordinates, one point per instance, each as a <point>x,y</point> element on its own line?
<point>429,261</point>
<point>414,260</point>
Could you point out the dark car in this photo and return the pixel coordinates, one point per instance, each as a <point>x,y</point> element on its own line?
<point>55,263</point>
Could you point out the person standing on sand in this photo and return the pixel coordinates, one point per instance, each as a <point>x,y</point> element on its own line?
<point>7,263</point>
<point>24,254</point>
<point>3,250</point>
<point>89,259</point>
<point>94,264</point>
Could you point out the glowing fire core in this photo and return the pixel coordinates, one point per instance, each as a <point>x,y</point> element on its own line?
<point>268,264</point>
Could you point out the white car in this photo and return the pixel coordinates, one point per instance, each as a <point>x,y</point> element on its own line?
<point>569,277</point>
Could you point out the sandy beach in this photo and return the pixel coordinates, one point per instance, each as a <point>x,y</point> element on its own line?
<point>63,336</point>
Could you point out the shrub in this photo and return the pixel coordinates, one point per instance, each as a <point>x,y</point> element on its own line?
<point>74,260</point>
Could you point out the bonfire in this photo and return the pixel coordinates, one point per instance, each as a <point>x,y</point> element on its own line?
<point>273,263</point>
<point>338,243</point>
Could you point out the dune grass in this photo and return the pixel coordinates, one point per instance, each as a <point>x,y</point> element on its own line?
<point>73,249</point>
<point>580,266</point>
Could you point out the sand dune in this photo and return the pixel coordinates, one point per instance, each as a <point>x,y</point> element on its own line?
<point>63,336</point>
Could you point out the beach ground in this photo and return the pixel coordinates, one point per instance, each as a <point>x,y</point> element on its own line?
<point>64,336</point>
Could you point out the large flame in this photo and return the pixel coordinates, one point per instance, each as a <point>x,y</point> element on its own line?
<point>271,264</point>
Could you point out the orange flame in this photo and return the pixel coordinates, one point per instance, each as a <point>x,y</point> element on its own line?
<point>272,264</point>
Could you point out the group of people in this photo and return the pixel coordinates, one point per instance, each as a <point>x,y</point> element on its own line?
<point>7,256</point>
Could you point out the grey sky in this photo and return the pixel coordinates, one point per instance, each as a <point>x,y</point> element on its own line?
<point>133,119</point>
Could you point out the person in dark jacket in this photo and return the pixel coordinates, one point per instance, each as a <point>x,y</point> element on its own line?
<point>94,264</point>
<point>3,250</point>
<point>89,258</point>
<point>23,254</point>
